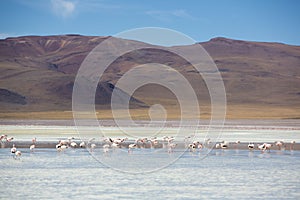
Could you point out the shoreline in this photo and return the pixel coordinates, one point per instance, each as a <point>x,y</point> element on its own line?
<point>291,124</point>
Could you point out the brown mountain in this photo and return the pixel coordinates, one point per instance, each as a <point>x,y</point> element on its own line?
<point>261,79</point>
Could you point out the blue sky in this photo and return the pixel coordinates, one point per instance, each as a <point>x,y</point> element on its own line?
<point>254,20</point>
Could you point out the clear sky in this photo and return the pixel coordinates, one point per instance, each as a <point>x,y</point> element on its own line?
<point>254,20</point>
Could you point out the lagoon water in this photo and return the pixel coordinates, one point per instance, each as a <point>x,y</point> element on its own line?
<point>75,174</point>
<point>206,174</point>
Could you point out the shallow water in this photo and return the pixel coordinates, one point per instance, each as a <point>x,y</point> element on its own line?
<point>208,174</point>
<point>75,174</point>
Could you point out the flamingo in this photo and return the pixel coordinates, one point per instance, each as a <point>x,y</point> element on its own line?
<point>264,147</point>
<point>115,145</point>
<point>63,147</point>
<point>224,145</point>
<point>200,146</point>
<point>108,140</point>
<point>268,146</point>
<point>58,146</point>
<point>171,146</point>
<point>3,137</point>
<point>64,142</point>
<point>18,154</point>
<point>73,144</point>
<point>105,148</point>
<point>118,140</point>
<point>153,142</point>
<point>192,147</point>
<point>250,146</point>
<point>280,144</point>
<point>131,146</point>
<point>293,142</point>
<point>9,139</point>
<point>13,149</point>
<point>32,147</point>
<point>170,139</point>
<point>261,147</point>
<point>93,146</point>
<point>196,144</point>
<point>141,142</point>
<point>82,144</point>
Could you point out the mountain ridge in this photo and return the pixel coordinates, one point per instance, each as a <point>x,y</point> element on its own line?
<point>255,74</point>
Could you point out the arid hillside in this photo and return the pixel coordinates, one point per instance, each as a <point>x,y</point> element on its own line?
<point>37,73</point>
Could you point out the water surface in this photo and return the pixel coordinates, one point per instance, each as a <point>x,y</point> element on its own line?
<point>75,174</point>
<point>207,174</point>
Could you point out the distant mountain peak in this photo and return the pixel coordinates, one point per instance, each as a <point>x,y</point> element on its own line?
<point>226,40</point>
<point>216,39</point>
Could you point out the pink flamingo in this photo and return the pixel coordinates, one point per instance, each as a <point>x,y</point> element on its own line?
<point>131,146</point>
<point>3,137</point>
<point>32,147</point>
<point>18,154</point>
<point>293,142</point>
<point>280,144</point>
<point>9,139</point>
<point>268,146</point>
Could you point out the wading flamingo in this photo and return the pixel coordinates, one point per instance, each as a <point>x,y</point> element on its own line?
<point>82,144</point>
<point>3,138</point>
<point>131,146</point>
<point>32,147</point>
<point>105,148</point>
<point>171,146</point>
<point>73,144</point>
<point>280,145</point>
<point>13,149</point>
<point>18,154</point>
<point>93,146</point>
<point>293,142</point>
<point>9,139</point>
<point>251,146</point>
